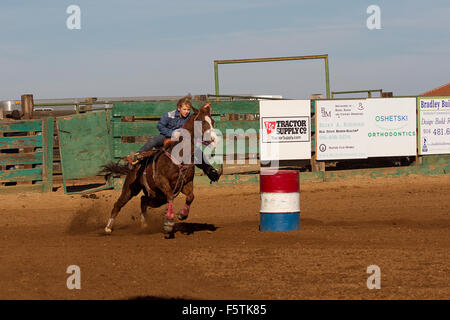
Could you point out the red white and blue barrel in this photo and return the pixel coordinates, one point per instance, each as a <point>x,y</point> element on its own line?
<point>280,200</point>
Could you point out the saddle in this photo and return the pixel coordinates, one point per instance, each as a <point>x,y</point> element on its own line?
<point>134,158</point>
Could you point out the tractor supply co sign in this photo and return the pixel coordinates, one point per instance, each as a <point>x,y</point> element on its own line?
<point>434,125</point>
<point>391,127</point>
<point>285,129</point>
<point>341,130</point>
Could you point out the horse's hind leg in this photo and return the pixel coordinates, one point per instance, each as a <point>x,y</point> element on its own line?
<point>129,190</point>
<point>144,205</point>
<point>188,191</point>
<point>149,202</point>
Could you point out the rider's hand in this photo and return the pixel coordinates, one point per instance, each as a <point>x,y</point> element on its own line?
<point>176,135</point>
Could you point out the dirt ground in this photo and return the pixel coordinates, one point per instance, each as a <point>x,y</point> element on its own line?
<point>399,224</point>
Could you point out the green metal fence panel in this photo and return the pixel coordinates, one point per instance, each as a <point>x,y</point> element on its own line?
<point>84,144</point>
<point>33,125</point>
<point>223,125</point>
<point>16,160</point>
<point>235,107</point>
<point>134,129</point>
<point>156,109</point>
<point>123,149</point>
<point>21,175</point>
<point>20,142</point>
<point>20,158</point>
<point>139,129</point>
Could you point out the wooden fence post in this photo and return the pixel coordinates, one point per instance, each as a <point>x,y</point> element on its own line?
<point>47,150</point>
<point>27,103</point>
<point>88,107</point>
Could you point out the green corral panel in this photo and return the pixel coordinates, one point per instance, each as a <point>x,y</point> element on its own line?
<point>138,129</point>
<point>21,175</point>
<point>134,129</point>
<point>26,125</point>
<point>20,142</point>
<point>158,108</point>
<point>20,158</point>
<point>84,144</point>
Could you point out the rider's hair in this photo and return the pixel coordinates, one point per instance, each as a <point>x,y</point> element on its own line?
<point>185,100</point>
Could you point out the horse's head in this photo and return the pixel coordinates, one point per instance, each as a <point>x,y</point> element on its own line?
<point>207,135</point>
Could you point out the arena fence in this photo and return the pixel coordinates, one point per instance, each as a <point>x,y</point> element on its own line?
<point>133,122</point>
<point>26,158</point>
<point>88,140</point>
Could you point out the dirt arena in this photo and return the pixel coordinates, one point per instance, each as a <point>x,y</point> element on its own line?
<point>401,225</point>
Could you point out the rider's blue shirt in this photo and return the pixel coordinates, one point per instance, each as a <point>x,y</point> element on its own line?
<point>171,121</point>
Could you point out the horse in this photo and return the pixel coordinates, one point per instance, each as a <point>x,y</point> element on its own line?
<point>161,175</point>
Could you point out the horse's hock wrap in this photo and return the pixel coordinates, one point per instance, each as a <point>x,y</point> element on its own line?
<point>280,200</point>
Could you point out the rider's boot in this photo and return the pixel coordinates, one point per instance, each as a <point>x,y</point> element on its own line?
<point>212,173</point>
<point>134,158</point>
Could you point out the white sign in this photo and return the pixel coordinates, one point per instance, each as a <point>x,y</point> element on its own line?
<point>391,127</point>
<point>285,129</point>
<point>341,129</point>
<point>434,125</point>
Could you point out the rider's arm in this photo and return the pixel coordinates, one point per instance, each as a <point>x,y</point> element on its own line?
<point>162,126</point>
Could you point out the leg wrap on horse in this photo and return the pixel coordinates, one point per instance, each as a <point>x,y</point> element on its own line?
<point>183,213</point>
<point>168,220</point>
<point>170,213</point>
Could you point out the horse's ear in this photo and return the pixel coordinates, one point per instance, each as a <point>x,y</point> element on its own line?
<point>195,110</point>
<point>207,108</point>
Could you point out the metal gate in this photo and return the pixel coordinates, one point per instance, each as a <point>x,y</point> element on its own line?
<point>84,146</point>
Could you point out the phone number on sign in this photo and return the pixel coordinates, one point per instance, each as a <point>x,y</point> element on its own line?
<point>441,132</point>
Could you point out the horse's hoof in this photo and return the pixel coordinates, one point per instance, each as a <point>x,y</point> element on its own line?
<point>168,225</point>
<point>181,216</point>
<point>143,222</point>
<point>108,230</point>
<point>169,236</point>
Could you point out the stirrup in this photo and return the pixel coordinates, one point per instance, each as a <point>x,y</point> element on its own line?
<point>134,158</point>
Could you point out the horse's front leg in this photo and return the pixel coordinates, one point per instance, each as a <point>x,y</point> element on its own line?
<point>188,191</point>
<point>164,186</point>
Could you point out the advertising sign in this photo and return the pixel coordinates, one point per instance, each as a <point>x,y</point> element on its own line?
<point>341,129</point>
<point>434,125</point>
<point>391,126</point>
<point>285,129</point>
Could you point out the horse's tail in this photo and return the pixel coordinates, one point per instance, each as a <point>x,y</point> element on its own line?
<point>112,168</point>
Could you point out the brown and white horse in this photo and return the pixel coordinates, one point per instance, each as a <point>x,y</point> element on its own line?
<point>165,173</point>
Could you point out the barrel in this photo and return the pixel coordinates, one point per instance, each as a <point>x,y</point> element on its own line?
<point>280,200</point>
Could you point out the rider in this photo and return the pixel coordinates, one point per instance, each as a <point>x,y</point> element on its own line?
<point>169,126</point>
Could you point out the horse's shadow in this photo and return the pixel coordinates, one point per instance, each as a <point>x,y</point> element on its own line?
<point>189,228</point>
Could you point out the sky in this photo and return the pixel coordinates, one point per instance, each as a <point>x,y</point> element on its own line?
<point>158,48</point>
